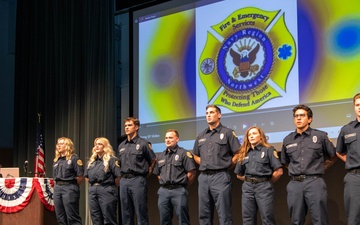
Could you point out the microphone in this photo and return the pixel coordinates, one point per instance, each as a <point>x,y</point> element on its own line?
<point>25,166</point>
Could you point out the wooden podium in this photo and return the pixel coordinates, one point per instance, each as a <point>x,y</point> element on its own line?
<point>34,212</point>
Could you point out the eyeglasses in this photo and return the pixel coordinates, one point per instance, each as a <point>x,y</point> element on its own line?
<point>302,115</point>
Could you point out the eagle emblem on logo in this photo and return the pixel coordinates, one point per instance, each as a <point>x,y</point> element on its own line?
<point>244,58</point>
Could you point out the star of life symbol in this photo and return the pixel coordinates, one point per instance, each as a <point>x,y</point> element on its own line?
<point>246,59</point>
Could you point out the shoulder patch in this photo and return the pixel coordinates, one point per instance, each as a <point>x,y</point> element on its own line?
<point>188,154</point>
<point>234,134</point>
<point>328,138</point>
<point>276,154</point>
<point>149,144</point>
<point>79,162</point>
<point>117,163</point>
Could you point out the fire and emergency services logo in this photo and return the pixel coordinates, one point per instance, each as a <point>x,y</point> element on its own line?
<point>247,59</point>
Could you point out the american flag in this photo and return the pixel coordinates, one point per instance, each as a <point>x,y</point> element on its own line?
<point>39,165</point>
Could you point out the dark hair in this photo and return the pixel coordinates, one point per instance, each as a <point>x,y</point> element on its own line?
<point>173,130</point>
<point>304,107</point>
<point>214,106</point>
<point>136,121</point>
<point>357,96</point>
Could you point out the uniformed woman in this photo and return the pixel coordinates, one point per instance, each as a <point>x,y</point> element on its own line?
<point>103,174</point>
<point>68,175</point>
<point>259,167</point>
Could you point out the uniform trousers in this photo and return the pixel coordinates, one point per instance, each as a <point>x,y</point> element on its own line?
<point>309,194</point>
<point>215,190</point>
<point>103,204</point>
<point>173,200</point>
<point>257,196</point>
<point>66,202</point>
<point>352,198</point>
<point>133,199</point>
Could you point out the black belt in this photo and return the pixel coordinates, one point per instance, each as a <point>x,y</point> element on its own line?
<point>212,172</point>
<point>172,186</point>
<point>63,182</point>
<point>354,171</point>
<point>131,175</point>
<point>305,177</point>
<point>255,180</point>
<point>101,184</point>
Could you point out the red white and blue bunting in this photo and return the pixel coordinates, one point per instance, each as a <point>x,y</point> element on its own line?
<point>45,190</point>
<point>15,193</point>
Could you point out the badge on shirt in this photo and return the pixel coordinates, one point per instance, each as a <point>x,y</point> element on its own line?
<point>221,136</point>
<point>202,140</point>
<point>314,139</point>
<point>79,162</point>
<point>176,157</point>
<point>69,162</point>
<point>117,163</point>
<point>188,154</point>
<point>137,147</point>
<point>276,154</point>
<point>262,154</point>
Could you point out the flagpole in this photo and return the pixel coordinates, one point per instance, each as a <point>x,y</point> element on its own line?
<point>36,172</point>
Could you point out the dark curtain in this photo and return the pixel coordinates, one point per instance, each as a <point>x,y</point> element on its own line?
<point>64,69</point>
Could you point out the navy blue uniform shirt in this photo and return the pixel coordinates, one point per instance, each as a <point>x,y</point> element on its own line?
<point>135,156</point>
<point>68,170</point>
<point>305,153</point>
<point>259,162</point>
<point>172,166</point>
<point>96,174</point>
<point>216,148</point>
<point>348,143</point>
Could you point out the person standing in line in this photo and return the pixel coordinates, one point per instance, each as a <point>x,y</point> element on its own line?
<point>68,175</point>
<point>307,153</point>
<point>103,175</point>
<point>175,169</point>
<point>216,151</point>
<point>137,161</point>
<point>348,150</point>
<point>259,167</point>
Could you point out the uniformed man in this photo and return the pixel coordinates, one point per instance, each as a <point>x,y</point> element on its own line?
<point>103,175</point>
<point>68,175</point>
<point>259,167</point>
<point>175,169</point>
<point>137,160</point>
<point>348,150</point>
<point>307,153</point>
<point>216,151</point>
